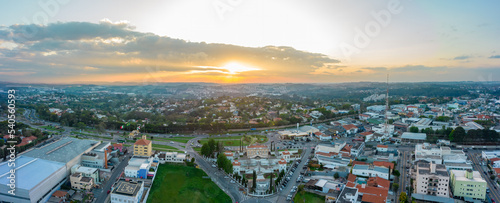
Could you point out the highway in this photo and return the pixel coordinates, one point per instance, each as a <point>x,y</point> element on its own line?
<point>494,193</point>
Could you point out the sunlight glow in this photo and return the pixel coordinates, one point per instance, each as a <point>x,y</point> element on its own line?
<point>234,68</point>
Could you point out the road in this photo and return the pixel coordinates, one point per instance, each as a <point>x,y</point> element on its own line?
<point>494,193</point>
<point>404,178</point>
<point>116,172</point>
<point>293,180</point>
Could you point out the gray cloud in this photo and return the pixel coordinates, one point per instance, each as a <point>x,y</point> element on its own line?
<point>494,57</point>
<point>463,57</point>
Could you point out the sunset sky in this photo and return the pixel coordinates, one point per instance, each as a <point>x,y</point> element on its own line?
<point>243,41</point>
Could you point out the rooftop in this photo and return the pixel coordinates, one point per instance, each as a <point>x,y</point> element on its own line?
<point>127,188</point>
<point>460,176</point>
<point>25,168</point>
<point>63,150</point>
<point>142,142</point>
<point>414,136</point>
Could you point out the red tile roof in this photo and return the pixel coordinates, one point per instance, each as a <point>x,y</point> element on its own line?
<point>497,170</point>
<point>348,127</point>
<point>378,182</point>
<point>327,154</point>
<point>373,194</point>
<point>142,142</point>
<point>384,164</point>
<point>495,159</point>
<point>318,133</point>
<point>366,133</point>
<point>382,146</point>
<point>26,140</point>
<point>257,146</point>
<point>236,163</point>
<point>59,193</point>
<point>373,199</point>
<point>359,163</point>
<point>282,161</point>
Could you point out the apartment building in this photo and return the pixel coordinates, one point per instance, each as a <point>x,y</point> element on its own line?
<point>468,184</point>
<point>143,147</point>
<point>432,179</point>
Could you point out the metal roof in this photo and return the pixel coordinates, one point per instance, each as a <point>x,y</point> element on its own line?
<point>30,172</point>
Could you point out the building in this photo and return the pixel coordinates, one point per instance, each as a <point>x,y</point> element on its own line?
<point>348,195</point>
<point>66,150</point>
<point>468,184</point>
<point>413,137</point>
<point>127,191</point>
<point>138,167</point>
<point>143,147</point>
<point>79,182</point>
<point>458,166</point>
<point>98,157</point>
<point>87,172</point>
<point>175,157</point>
<point>236,167</point>
<point>432,179</point>
<point>285,155</point>
<point>357,148</point>
<point>257,150</point>
<point>382,148</point>
<point>486,155</point>
<point>36,179</point>
<point>370,171</point>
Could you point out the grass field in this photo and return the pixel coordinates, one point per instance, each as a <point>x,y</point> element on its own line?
<point>309,198</point>
<point>51,128</point>
<point>89,135</point>
<point>179,183</point>
<point>175,139</point>
<point>235,140</point>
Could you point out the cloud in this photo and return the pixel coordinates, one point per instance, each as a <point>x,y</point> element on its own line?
<point>90,68</point>
<point>115,47</point>
<point>463,57</point>
<point>494,57</point>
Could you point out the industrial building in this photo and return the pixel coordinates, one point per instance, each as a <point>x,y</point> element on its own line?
<point>127,191</point>
<point>36,179</point>
<point>67,150</point>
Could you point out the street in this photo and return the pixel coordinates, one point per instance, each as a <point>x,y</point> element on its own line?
<point>494,192</point>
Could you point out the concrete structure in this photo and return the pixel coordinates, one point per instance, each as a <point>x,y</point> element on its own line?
<point>370,171</point>
<point>98,157</point>
<point>143,147</point>
<point>458,166</point>
<point>36,179</point>
<point>382,148</point>
<point>348,195</point>
<point>129,192</point>
<point>67,150</point>
<point>87,172</point>
<point>79,182</point>
<point>138,167</point>
<point>432,179</point>
<point>413,137</point>
<point>257,150</point>
<point>468,184</point>
<point>236,167</point>
<point>486,155</point>
<point>171,157</point>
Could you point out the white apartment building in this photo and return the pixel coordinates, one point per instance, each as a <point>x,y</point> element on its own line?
<point>432,179</point>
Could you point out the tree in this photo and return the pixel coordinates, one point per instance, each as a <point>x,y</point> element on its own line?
<point>205,150</point>
<point>101,127</point>
<point>396,173</point>
<point>414,129</point>
<point>211,145</point>
<point>395,186</point>
<point>403,198</point>
<point>336,175</point>
<point>254,182</point>
<point>457,135</point>
<point>271,188</point>
<point>80,126</point>
<point>192,160</point>
<point>1,142</point>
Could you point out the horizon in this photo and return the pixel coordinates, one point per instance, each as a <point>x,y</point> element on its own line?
<point>249,42</point>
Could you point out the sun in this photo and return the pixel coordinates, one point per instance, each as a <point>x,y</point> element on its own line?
<point>235,68</point>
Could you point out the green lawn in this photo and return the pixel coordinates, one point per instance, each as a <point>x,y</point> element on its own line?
<point>164,146</point>
<point>175,139</point>
<point>51,128</point>
<point>235,140</point>
<point>227,142</point>
<point>309,198</point>
<point>197,149</point>
<point>89,135</point>
<point>179,183</point>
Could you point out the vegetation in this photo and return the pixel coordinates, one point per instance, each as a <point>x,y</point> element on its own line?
<point>178,183</point>
<point>403,198</point>
<point>308,197</point>
<point>224,163</point>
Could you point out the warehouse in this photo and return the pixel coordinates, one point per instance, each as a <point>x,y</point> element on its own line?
<point>36,179</point>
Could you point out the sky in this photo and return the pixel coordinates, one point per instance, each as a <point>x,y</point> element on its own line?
<point>242,41</point>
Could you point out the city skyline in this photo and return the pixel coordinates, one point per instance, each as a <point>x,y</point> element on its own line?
<point>249,42</point>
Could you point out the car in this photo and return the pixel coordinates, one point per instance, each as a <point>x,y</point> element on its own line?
<point>226,177</point>
<point>109,191</point>
<point>232,181</point>
<point>213,165</point>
